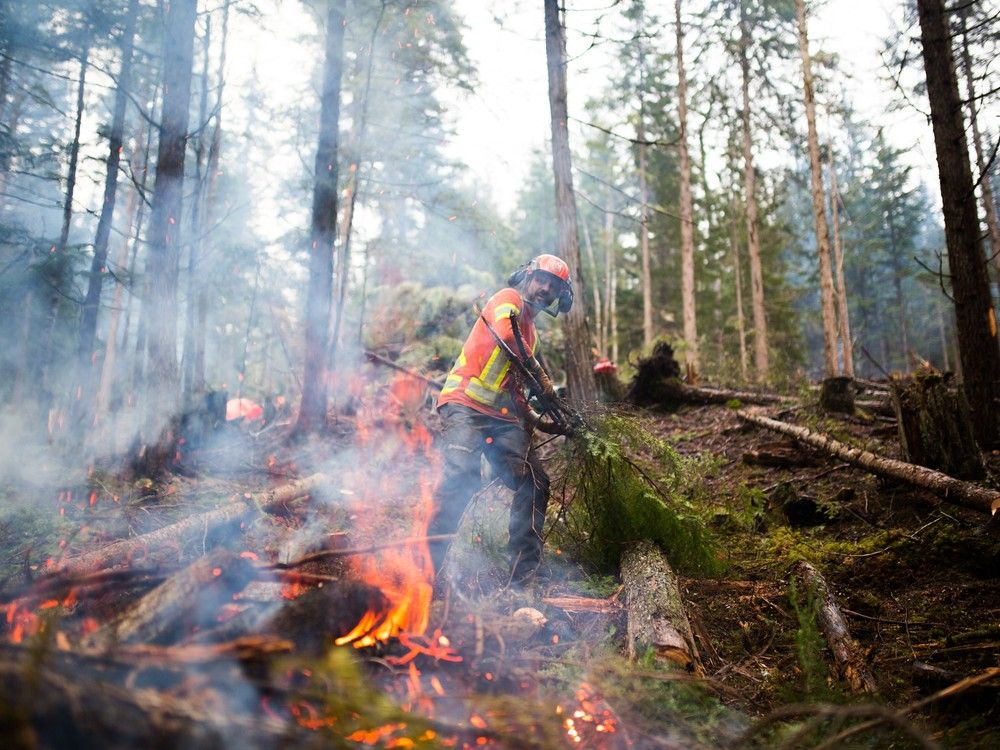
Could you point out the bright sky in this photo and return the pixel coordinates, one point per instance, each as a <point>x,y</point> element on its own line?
<point>499,127</point>
<point>509,116</point>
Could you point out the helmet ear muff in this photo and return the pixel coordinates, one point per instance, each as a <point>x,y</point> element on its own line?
<point>566,299</point>
<point>518,277</point>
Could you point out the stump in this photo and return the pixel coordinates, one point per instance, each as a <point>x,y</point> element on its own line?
<point>935,426</point>
<point>837,395</point>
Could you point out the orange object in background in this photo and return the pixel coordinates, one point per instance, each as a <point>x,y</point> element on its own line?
<point>237,408</point>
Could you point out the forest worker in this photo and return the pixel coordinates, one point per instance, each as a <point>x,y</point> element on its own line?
<point>484,411</point>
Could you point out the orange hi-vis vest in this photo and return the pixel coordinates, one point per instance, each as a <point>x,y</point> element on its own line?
<point>480,377</point>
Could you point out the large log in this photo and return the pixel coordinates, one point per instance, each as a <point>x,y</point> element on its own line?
<point>188,600</point>
<point>655,612</point>
<point>849,660</point>
<point>54,700</point>
<point>954,490</point>
<point>150,545</point>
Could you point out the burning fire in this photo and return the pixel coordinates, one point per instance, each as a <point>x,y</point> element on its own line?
<point>404,574</point>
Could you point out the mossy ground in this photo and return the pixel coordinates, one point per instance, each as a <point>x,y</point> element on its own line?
<point>915,577</point>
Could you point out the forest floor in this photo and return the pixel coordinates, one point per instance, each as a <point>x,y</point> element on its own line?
<point>918,580</point>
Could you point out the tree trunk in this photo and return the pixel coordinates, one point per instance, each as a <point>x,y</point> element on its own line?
<point>648,333</point>
<point>954,490</point>
<point>209,209</point>
<point>985,186</point>
<point>843,312</point>
<point>579,369</point>
<point>195,233</point>
<point>164,232</point>
<point>818,201</point>
<point>655,609</point>
<point>596,288</point>
<point>687,213</point>
<point>95,284</point>
<point>109,365</point>
<point>734,248</point>
<point>48,353</point>
<point>760,339</point>
<point>610,289</point>
<point>935,427</point>
<point>849,658</point>
<point>351,192</point>
<point>980,354</point>
<point>323,228</point>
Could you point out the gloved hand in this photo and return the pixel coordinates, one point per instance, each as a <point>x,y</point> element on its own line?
<point>534,420</point>
<point>548,390</point>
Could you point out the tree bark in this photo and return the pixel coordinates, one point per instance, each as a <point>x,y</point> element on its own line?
<point>953,490</point>
<point>935,427</point>
<point>164,232</point>
<point>95,284</point>
<point>319,297</point>
<point>655,610</point>
<point>843,312</point>
<point>579,368</point>
<point>818,201</point>
<point>849,659</point>
<point>760,340</point>
<point>687,213</point>
<point>977,326</point>
<point>985,185</point>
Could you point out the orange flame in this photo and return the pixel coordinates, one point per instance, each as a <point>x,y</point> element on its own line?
<point>404,574</point>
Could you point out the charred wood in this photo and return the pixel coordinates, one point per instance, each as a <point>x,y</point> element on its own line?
<point>655,611</point>
<point>54,700</point>
<point>188,600</point>
<point>150,546</point>
<point>849,660</point>
<point>954,490</point>
<point>837,395</point>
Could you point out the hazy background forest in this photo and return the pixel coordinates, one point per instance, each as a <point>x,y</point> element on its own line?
<point>92,280</point>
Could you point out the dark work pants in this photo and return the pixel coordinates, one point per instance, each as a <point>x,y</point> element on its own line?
<point>467,435</point>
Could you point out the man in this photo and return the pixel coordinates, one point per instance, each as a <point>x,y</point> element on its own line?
<point>484,411</point>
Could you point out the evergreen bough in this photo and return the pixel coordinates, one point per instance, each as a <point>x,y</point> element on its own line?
<point>613,500</point>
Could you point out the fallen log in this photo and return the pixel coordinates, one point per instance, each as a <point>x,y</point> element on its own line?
<point>954,490</point>
<point>850,663</point>
<point>187,600</point>
<point>150,544</point>
<point>655,612</point>
<point>54,700</point>
<point>692,394</point>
